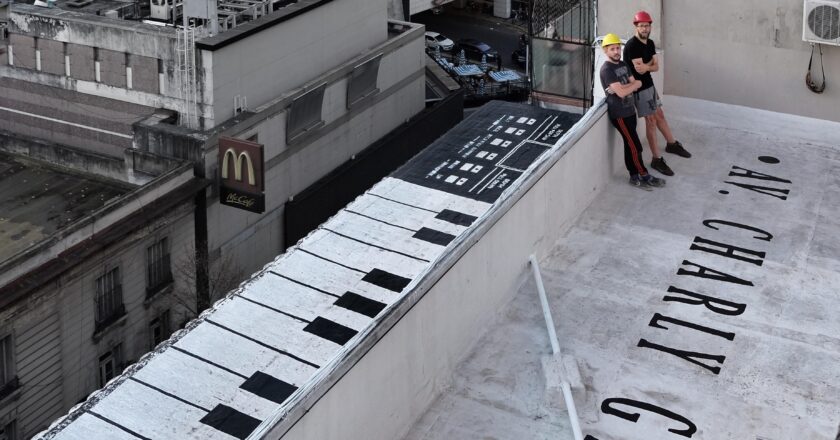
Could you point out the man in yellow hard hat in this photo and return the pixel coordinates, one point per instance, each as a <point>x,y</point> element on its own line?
<point>640,53</point>
<point>619,84</point>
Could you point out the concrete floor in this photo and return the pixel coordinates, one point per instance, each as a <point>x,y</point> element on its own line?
<point>771,355</point>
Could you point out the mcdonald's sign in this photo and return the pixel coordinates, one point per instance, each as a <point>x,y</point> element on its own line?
<point>241,174</point>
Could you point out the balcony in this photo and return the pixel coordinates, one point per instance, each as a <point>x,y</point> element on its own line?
<point>111,318</point>
<point>160,277</point>
<point>9,388</point>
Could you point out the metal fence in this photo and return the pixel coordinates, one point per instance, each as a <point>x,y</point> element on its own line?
<point>561,36</point>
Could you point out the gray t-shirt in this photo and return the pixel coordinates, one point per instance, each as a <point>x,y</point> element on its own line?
<point>618,72</point>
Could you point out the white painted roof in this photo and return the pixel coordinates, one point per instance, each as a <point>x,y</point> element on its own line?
<point>241,360</point>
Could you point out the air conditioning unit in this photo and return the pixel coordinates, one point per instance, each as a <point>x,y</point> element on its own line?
<point>821,22</point>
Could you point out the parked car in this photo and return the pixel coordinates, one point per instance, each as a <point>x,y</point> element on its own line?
<point>474,49</point>
<point>435,39</point>
<point>518,57</point>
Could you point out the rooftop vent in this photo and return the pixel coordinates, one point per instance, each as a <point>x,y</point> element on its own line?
<point>821,22</point>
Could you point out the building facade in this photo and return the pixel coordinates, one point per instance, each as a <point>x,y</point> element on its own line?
<point>101,88</point>
<point>88,278</point>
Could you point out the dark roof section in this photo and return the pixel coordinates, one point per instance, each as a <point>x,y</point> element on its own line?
<point>43,274</point>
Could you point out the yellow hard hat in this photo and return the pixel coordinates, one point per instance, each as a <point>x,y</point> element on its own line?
<point>610,39</point>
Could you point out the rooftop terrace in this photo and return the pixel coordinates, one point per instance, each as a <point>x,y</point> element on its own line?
<point>37,200</point>
<point>771,371</point>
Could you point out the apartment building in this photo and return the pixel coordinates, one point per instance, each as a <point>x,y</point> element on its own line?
<point>87,276</point>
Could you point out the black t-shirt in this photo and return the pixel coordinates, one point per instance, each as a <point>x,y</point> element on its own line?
<point>617,72</point>
<point>636,49</point>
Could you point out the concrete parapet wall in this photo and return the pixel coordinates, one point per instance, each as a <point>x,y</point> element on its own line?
<point>408,367</point>
<point>96,31</point>
<point>114,39</point>
<point>52,56</point>
<point>112,68</point>
<point>81,61</point>
<point>144,74</point>
<point>23,51</point>
<point>134,167</point>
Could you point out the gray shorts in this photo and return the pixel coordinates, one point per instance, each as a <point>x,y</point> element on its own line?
<point>647,101</point>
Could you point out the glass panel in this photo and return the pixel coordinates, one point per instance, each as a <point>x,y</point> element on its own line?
<point>563,69</point>
<point>108,295</point>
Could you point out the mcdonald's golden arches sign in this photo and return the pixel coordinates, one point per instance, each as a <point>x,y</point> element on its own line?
<point>241,174</point>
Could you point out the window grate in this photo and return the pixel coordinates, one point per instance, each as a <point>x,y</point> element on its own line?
<point>158,268</point>
<point>109,302</point>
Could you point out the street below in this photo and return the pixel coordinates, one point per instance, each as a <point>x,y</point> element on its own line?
<point>455,24</point>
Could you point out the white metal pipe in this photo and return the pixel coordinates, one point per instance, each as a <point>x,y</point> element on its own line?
<point>549,323</point>
<point>555,348</point>
<point>570,407</point>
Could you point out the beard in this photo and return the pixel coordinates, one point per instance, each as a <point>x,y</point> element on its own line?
<point>644,35</point>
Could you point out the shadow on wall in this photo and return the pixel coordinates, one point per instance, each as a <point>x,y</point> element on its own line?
<point>314,205</point>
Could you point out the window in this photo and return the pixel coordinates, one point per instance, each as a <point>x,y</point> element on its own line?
<point>305,113</point>
<point>362,82</point>
<point>8,431</point>
<point>7,365</point>
<point>158,272</point>
<point>8,380</point>
<point>110,364</point>
<point>159,329</point>
<point>109,304</point>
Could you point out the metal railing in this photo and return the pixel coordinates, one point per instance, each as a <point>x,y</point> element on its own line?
<point>107,318</point>
<point>561,34</point>
<point>9,387</point>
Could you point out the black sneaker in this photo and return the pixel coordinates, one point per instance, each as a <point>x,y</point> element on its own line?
<point>636,181</point>
<point>659,165</point>
<point>652,181</point>
<point>677,148</point>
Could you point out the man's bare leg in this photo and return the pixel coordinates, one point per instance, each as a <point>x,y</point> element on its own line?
<point>672,145</point>
<point>663,126</point>
<point>650,131</point>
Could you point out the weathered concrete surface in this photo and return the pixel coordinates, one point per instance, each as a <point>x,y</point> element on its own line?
<point>779,377</point>
<point>80,120</point>
<point>498,391</point>
<point>36,201</point>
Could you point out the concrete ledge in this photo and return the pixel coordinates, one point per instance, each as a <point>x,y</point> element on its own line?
<point>402,366</point>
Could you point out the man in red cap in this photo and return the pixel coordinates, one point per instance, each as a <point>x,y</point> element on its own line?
<point>640,52</point>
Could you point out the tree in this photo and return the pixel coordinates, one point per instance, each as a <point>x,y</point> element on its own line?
<point>224,274</point>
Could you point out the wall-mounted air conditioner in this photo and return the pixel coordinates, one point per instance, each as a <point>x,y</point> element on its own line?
<point>821,22</point>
